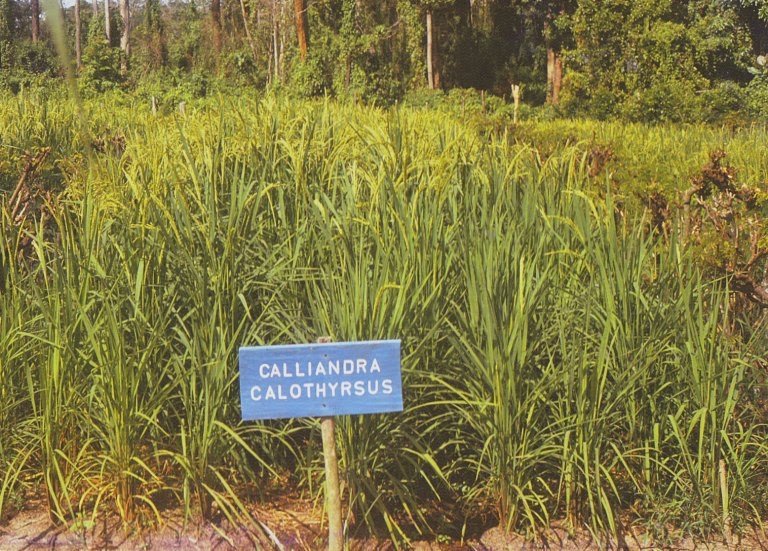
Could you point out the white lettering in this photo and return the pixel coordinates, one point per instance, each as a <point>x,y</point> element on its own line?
<point>264,371</point>
<point>375,366</point>
<point>346,388</point>
<point>256,393</point>
<point>333,367</point>
<point>297,394</point>
<point>386,386</point>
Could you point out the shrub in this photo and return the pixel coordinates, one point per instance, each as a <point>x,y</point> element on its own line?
<point>308,78</point>
<point>24,65</point>
<point>101,62</point>
<point>668,99</point>
<point>756,98</point>
<point>723,101</point>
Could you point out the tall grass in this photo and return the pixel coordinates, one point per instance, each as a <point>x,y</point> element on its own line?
<point>559,361</point>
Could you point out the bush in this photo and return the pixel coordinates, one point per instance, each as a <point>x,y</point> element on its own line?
<point>423,98</point>
<point>173,86</point>
<point>35,59</point>
<point>308,78</point>
<point>667,99</point>
<point>756,98</point>
<point>724,101</point>
<point>101,62</point>
<point>578,98</point>
<point>372,85</point>
<point>25,65</point>
<point>239,67</point>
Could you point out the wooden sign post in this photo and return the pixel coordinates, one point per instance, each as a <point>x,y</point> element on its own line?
<point>322,380</point>
<point>332,487</point>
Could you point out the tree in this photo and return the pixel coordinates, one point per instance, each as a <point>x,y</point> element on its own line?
<point>101,62</point>
<point>152,36</point>
<point>276,40</point>
<point>649,60</point>
<point>216,24</point>
<point>555,28</point>
<point>107,23</point>
<point>433,68</point>
<point>247,28</point>
<point>430,53</point>
<point>760,5</point>
<point>78,37</point>
<point>302,27</point>
<point>6,35</point>
<point>35,5</point>
<point>125,36</point>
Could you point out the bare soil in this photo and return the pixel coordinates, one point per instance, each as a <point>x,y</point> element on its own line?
<point>295,524</point>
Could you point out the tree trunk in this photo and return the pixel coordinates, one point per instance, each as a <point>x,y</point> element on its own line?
<point>436,74</point>
<point>95,5</point>
<point>554,76</point>
<point>464,9</point>
<point>125,37</point>
<point>430,68</point>
<point>107,26</point>
<point>216,24</point>
<point>248,35</point>
<point>557,82</point>
<point>276,38</point>
<point>302,26</point>
<point>78,37</point>
<point>550,73</point>
<point>35,21</point>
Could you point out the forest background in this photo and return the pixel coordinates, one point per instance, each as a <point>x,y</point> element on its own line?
<point>668,60</point>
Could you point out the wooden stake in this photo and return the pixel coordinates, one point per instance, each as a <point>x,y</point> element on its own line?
<point>332,491</point>
<point>725,500</point>
<point>516,98</point>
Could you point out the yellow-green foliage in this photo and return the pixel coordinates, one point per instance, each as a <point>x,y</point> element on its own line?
<point>642,157</point>
<point>559,360</point>
<point>665,155</point>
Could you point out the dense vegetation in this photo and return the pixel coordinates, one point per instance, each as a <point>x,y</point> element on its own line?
<point>650,60</point>
<point>580,340</point>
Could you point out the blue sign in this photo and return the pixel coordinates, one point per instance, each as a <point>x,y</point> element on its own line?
<point>320,380</point>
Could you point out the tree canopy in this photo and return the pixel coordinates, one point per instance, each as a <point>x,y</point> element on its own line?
<point>638,59</point>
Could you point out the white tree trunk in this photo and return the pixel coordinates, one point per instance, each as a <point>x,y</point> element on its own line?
<point>276,38</point>
<point>430,68</point>
<point>107,26</point>
<point>78,36</point>
<point>125,37</point>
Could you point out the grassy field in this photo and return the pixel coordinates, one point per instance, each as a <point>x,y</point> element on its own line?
<point>561,359</point>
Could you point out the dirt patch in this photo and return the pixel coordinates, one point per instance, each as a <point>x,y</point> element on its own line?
<point>292,524</point>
